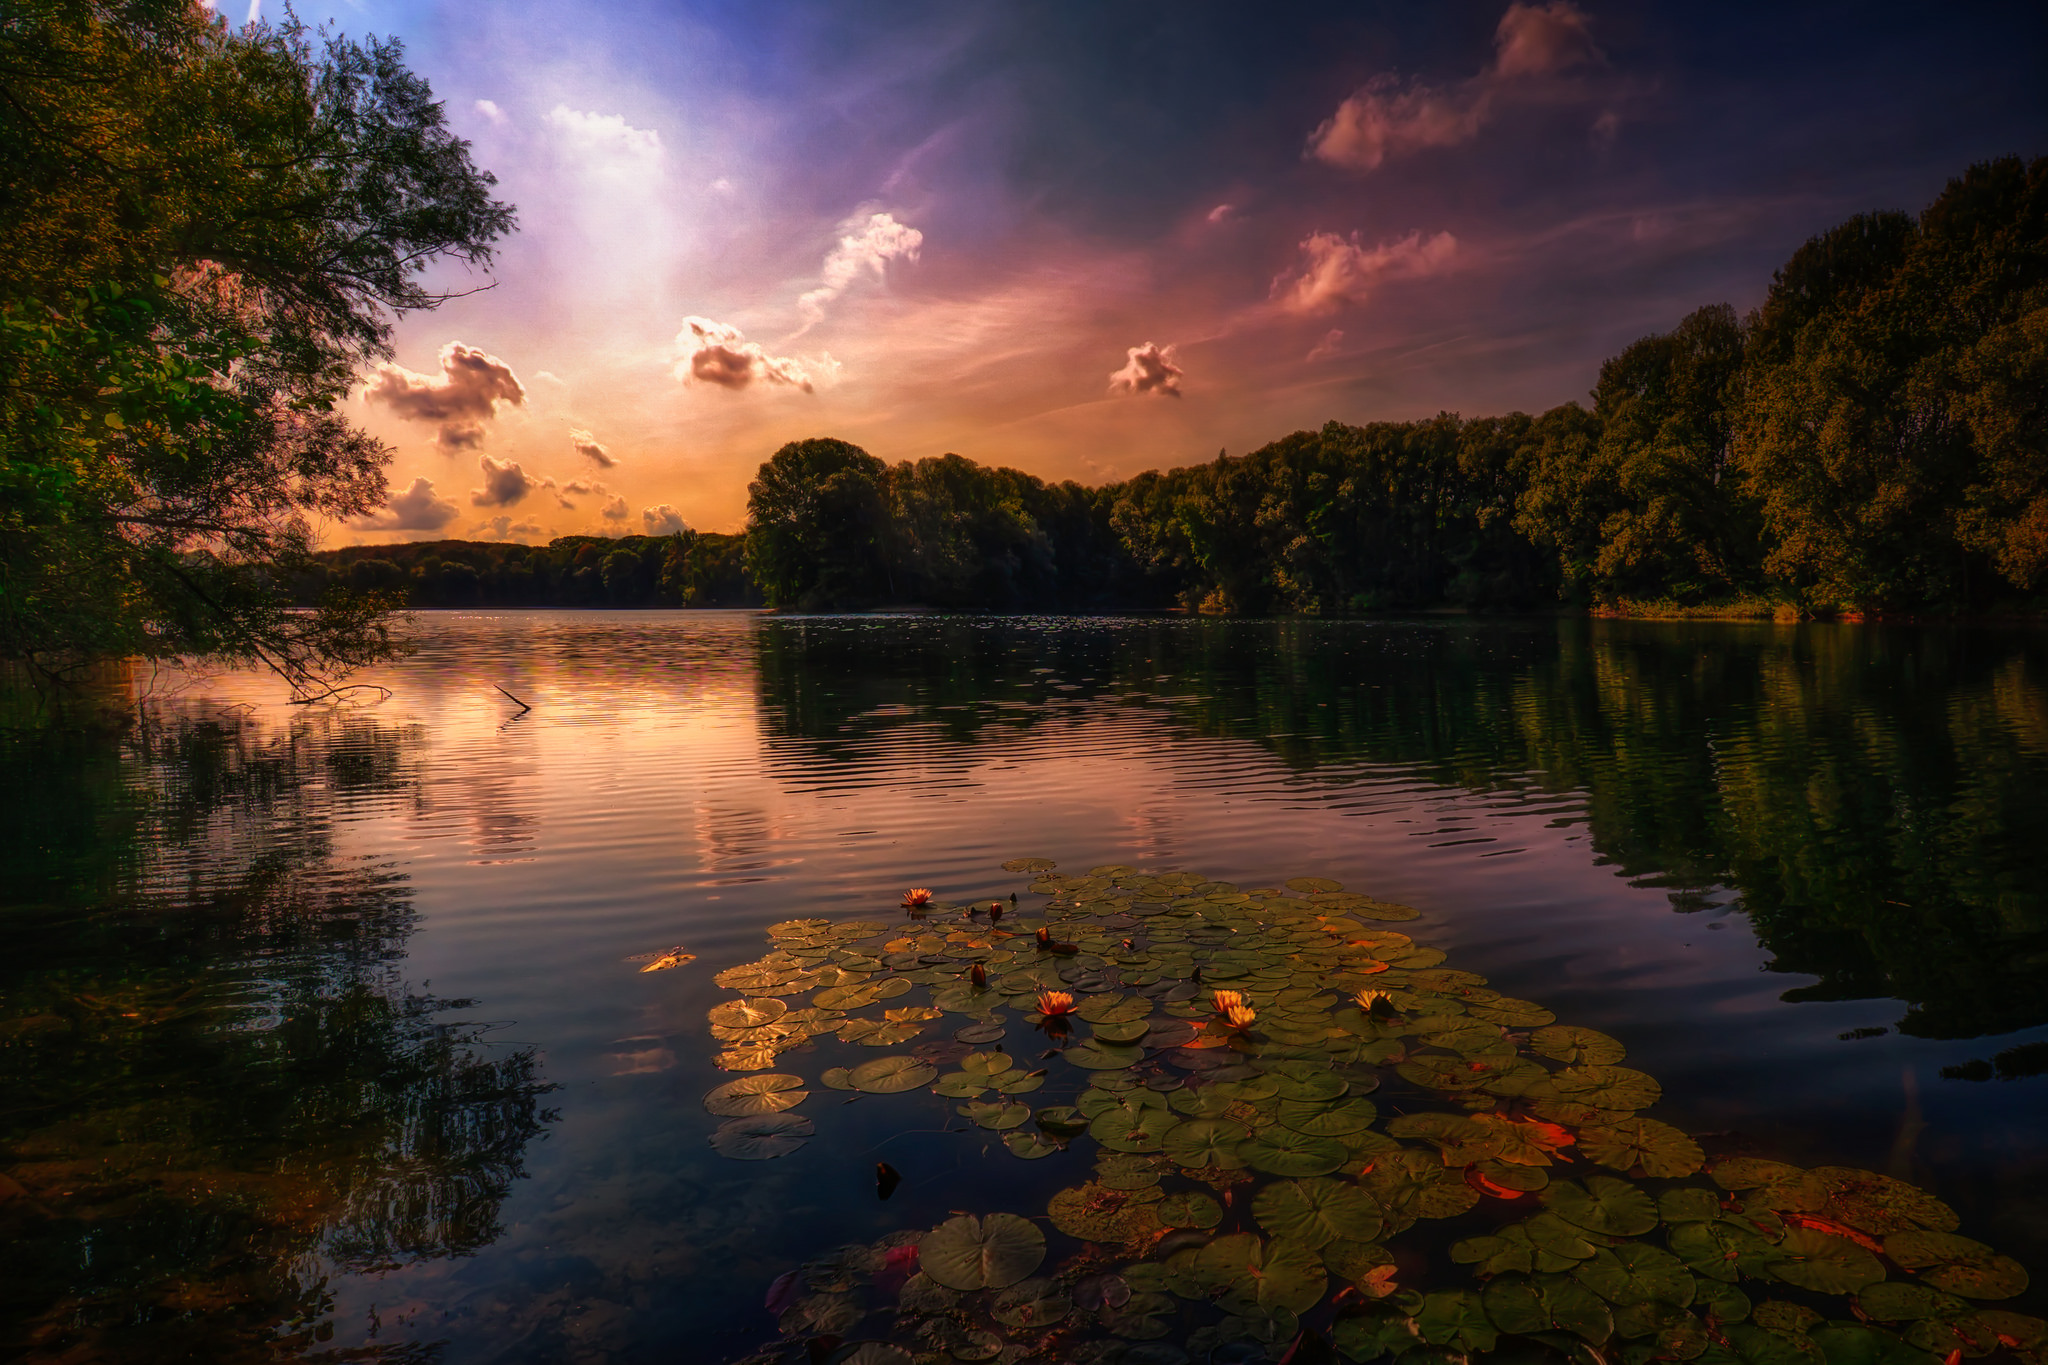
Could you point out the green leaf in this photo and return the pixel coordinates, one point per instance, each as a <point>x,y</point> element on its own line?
<point>1133,1128</point>
<point>892,1075</point>
<point>1824,1263</point>
<point>1189,1210</point>
<point>1603,1204</point>
<point>985,1253</point>
<point>1576,1046</point>
<point>761,1094</point>
<point>1637,1272</point>
<point>1456,1318</point>
<point>1281,1151</point>
<point>1316,1212</point>
<point>761,1137</point>
<point>1957,1265</point>
<point>1547,1303</point>
<point>1720,1249</point>
<point>1201,1143</point>
<point>1663,1152</point>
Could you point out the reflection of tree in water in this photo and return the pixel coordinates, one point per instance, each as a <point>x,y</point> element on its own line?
<point>215,1086</point>
<point>1871,795</point>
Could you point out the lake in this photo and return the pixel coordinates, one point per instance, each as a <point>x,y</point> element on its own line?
<point>324,1030</point>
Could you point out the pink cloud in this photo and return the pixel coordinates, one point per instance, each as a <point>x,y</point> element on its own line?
<point>587,446</point>
<point>714,353</point>
<point>504,483</point>
<point>418,508</point>
<point>1388,117</point>
<point>463,397</point>
<point>1147,369</point>
<point>865,247</point>
<point>1339,270</point>
<point>1327,347</point>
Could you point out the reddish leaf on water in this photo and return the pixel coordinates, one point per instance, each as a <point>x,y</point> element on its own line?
<point>786,1290</point>
<point>1485,1186</point>
<point>901,1258</point>
<point>1833,1229</point>
<point>1955,1357</point>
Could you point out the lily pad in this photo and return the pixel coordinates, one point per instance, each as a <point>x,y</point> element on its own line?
<point>1893,1301</point>
<point>996,1117</point>
<point>981,1253</point>
<point>1030,1146</point>
<point>1527,1305</point>
<point>751,1095</point>
<point>1309,886</point>
<point>1062,1121</point>
<point>1879,1204</point>
<point>1603,1204</point>
<point>1456,1319</point>
<point>1192,1209</point>
<point>1114,1009</point>
<point>1096,1213</point>
<point>837,1078</point>
<point>1609,1087</point>
<point>1824,1263</point>
<point>1637,1272</point>
<point>1661,1151</point>
<point>1033,1304</point>
<point>1096,1055</point>
<point>1497,1253</point>
<point>761,1137</point>
<point>1282,1151</point>
<point>1576,1046</point>
<point>1957,1265</point>
<point>1029,865</point>
<point>1203,1143</point>
<point>1133,1129</point>
<point>1721,1248</point>
<point>892,1075</point>
<point>749,1013</point>
<point>1249,1275</point>
<point>1317,1212</point>
<point>1322,1118</point>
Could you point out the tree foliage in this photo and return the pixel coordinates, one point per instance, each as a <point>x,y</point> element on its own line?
<point>209,233</point>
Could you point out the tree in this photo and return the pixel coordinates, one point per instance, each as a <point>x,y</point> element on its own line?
<point>209,233</point>
<point>816,518</point>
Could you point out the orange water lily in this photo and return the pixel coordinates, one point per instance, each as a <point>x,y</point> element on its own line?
<point>1054,1003</point>
<point>1226,1001</point>
<point>1240,1016</point>
<point>916,899</point>
<point>1365,1000</point>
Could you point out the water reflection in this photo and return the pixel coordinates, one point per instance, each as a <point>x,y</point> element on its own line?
<point>217,1089</point>
<point>1869,797</point>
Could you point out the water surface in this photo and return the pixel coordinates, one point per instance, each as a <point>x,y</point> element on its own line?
<point>320,1033</point>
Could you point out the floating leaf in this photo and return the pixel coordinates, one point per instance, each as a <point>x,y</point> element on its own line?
<point>1721,1248</point>
<point>1603,1204</point>
<point>1609,1087</point>
<point>761,1137</point>
<point>1127,1128</point>
<point>756,1095</point>
<point>1957,1265</point>
<point>1063,1121</point>
<point>1823,1263</point>
<point>1663,1152</point>
<point>1547,1303</point>
<point>1248,1275</point>
<point>1320,1118</point>
<point>981,1253</point>
<point>1029,865</point>
<point>1746,1344</point>
<point>1497,1254</point>
<point>1201,1143</point>
<point>1457,1319</point>
<point>1688,1206</point>
<point>1096,1213</point>
<point>1893,1301</point>
<point>1848,1343</point>
<point>1033,1303</point>
<point>749,1013</point>
<point>892,1075</point>
<point>1029,1146</point>
<point>998,1118</point>
<point>837,1078</point>
<point>1576,1046</point>
<point>1114,1009</point>
<point>1192,1209</point>
<point>1142,1317</point>
<point>1879,1204</point>
<point>1096,1055</point>
<point>1282,1151</point>
<point>1637,1272</point>
<point>1308,886</point>
<point>1317,1212</point>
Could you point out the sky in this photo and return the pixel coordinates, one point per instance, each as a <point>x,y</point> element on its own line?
<point>1089,239</point>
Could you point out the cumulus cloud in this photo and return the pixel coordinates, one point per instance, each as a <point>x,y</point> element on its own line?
<point>1389,117</point>
<point>714,353</point>
<point>490,110</point>
<point>865,246</point>
<point>504,483</point>
<point>418,508</point>
<point>615,510</point>
<point>587,446</point>
<point>1338,270</point>
<point>663,520</point>
<point>606,138</point>
<point>460,399</point>
<point>1147,369</point>
<point>504,528</point>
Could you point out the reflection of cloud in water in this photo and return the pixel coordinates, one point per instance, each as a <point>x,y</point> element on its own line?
<point>735,841</point>
<point>641,1056</point>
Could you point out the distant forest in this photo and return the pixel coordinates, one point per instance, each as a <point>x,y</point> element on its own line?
<point>1874,437</point>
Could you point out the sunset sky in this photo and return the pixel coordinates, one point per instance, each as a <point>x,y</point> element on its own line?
<point>1090,239</point>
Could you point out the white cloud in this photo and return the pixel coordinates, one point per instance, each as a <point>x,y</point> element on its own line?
<point>607,141</point>
<point>490,110</point>
<point>587,446</point>
<point>663,520</point>
<point>1338,270</point>
<point>713,353</point>
<point>463,397</point>
<point>1147,369</point>
<point>418,508</point>
<point>504,483</point>
<point>864,246</point>
<point>1389,117</point>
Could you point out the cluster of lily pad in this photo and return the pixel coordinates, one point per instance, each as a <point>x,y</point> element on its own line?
<point>1275,1088</point>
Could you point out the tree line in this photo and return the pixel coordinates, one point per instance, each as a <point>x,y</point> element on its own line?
<point>1873,437</point>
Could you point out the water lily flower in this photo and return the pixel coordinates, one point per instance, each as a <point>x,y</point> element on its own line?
<point>978,974</point>
<point>1226,1001</point>
<point>1052,1004</point>
<point>916,899</point>
<point>1365,1000</point>
<point>1240,1016</point>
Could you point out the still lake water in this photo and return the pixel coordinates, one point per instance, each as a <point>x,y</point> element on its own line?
<point>318,1028</point>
